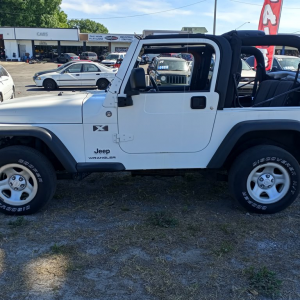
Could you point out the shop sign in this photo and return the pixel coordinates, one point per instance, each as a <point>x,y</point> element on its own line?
<point>43,43</point>
<point>95,37</point>
<point>42,33</point>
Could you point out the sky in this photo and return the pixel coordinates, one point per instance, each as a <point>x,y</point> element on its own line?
<point>230,14</point>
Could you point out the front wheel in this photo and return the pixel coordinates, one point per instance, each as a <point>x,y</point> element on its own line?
<point>265,179</point>
<point>27,180</point>
<point>49,84</point>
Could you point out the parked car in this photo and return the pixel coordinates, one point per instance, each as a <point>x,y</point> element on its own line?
<point>78,74</point>
<point>66,57</point>
<point>89,56</point>
<point>247,75</point>
<point>186,56</point>
<point>112,58</point>
<point>59,68</point>
<point>169,70</point>
<point>280,63</point>
<point>7,86</point>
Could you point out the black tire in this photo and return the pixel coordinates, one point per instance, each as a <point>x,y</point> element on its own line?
<point>1,98</point>
<point>42,176</point>
<point>254,179</point>
<point>102,84</point>
<point>49,84</point>
<point>13,94</point>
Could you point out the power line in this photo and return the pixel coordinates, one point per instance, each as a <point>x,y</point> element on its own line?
<point>132,16</point>
<point>158,12</point>
<point>261,5</point>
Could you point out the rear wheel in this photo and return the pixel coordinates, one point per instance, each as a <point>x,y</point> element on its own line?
<point>102,84</point>
<point>265,179</point>
<point>49,84</point>
<point>27,180</point>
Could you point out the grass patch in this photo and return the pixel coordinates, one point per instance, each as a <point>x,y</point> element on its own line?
<point>264,281</point>
<point>163,219</point>
<point>20,221</point>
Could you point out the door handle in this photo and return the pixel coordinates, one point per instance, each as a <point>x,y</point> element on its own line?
<point>97,74</point>
<point>198,102</point>
<point>77,74</point>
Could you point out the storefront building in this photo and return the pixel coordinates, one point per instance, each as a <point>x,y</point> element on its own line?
<point>48,43</point>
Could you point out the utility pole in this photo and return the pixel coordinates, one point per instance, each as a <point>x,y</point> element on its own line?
<point>215,18</point>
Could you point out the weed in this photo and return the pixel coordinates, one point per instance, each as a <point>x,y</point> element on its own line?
<point>125,208</point>
<point>20,221</point>
<point>225,228</point>
<point>163,219</point>
<point>264,281</point>
<point>61,249</point>
<point>225,248</point>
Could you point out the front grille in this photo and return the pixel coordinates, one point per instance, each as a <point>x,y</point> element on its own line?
<point>176,79</point>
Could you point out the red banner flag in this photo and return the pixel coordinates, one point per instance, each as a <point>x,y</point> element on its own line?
<point>269,23</point>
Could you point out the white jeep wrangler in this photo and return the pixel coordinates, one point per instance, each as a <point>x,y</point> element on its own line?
<point>139,128</point>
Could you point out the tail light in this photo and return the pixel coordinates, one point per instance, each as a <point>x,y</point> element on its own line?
<point>71,57</point>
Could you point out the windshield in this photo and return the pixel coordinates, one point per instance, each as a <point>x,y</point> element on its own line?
<point>245,66</point>
<point>289,63</point>
<point>172,65</point>
<point>92,54</point>
<point>112,56</point>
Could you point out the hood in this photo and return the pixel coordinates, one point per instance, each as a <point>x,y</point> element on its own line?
<point>165,72</point>
<point>108,61</point>
<point>44,72</point>
<point>43,109</point>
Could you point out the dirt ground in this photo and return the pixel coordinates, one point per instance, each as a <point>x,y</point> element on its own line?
<point>117,237</point>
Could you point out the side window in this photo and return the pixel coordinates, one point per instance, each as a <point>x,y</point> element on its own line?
<point>75,68</point>
<point>90,68</point>
<point>179,68</point>
<point>1,72</point>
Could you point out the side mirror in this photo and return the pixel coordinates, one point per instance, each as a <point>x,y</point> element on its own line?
<point>137,81</point>
<point>274,69</point>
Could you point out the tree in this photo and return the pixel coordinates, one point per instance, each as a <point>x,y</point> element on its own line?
<point>87,26</point>
<point>32,13</point>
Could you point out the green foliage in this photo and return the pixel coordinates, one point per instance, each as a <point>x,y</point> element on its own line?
<point>87,26</point>
<point>264,281</point>
<point>32,13</point>
<point>20,221</point>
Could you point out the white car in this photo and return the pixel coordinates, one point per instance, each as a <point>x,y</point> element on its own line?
<point>112,58</point>
<point>78,74</point>
<point>7,86</point>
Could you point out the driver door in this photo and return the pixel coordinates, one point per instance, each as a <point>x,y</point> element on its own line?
<point>178,120</point>
<point>71,76</point>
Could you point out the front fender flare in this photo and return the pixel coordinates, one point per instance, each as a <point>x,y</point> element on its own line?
<point>237,131</point>
<point>49,138</point>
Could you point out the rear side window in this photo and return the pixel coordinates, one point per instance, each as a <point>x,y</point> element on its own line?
<point>1,72</point>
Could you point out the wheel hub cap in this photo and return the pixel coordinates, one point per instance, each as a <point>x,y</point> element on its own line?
<point>17,182</point>
<point>266,181</point>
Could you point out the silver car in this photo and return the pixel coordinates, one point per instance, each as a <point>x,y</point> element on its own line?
<point>66,57</point>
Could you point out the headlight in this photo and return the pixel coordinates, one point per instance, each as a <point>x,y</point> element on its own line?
<point>38,78</point>
<point>163,78</point>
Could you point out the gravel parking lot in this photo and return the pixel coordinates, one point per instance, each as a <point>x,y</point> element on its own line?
<point>117,237</point>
